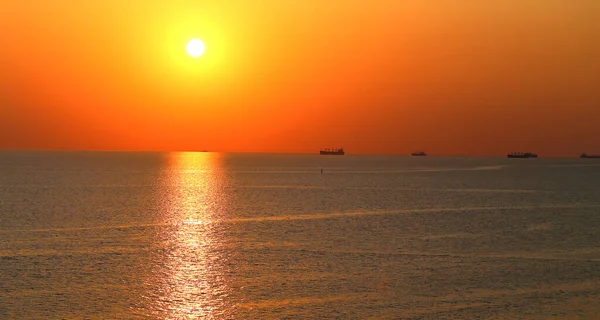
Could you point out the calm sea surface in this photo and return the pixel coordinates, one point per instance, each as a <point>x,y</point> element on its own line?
<point>120,235</point>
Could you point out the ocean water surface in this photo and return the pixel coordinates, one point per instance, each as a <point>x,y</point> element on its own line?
<point>141,235</point>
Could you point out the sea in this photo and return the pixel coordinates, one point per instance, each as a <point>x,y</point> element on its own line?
<point>203,235</point>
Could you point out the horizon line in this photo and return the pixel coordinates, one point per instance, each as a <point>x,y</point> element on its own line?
<point>263,152</point>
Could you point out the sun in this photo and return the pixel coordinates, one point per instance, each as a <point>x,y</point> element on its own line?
<point>195,48</point>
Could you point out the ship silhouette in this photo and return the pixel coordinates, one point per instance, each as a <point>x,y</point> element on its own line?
<point>589,156</point>
<point>336,152</point>
<point>522,155</point>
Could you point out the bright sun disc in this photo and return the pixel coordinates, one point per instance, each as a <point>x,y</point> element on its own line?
<point>195,48</point>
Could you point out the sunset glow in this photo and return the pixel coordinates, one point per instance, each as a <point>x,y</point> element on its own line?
<point>479,78</point>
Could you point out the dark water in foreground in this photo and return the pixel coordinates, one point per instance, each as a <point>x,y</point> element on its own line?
<point>118,235</point>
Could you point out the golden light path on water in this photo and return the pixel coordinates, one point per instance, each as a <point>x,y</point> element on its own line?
<point>191,272</point>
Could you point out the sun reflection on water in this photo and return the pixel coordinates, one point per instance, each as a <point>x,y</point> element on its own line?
<point>191,274</point>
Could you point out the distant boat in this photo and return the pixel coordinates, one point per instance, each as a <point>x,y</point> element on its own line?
<point>335,152</point>
<point>419,154</point>
<point>522,155</point>
<point>590,156</point>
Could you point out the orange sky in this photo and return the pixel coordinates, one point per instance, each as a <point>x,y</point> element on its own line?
<point>448,77</point>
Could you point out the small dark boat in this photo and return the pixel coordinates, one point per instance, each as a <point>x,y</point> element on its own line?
<point>335,152</point>
<point>419,154</point>
<point>522,155</point>
<point>590,156</point>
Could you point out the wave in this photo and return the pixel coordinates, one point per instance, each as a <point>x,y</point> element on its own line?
<point>315,216</point>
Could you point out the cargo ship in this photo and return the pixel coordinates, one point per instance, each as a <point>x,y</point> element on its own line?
<point>521,155</point>
<point>419,154</point>
<point>590,156</point>
<point>335,152</point>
